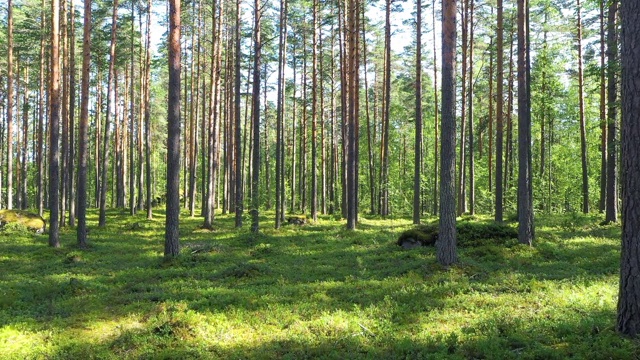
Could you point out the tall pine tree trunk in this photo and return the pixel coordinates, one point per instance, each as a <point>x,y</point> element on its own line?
<point>255,114</point>
<point>611,212</point>
<point>54,127</point>
<point>84,127</point>
<point>172,222</point>
<point>628,322</point>
<point>446,245</point>
<point>583,126</point>
<point>418,130</point>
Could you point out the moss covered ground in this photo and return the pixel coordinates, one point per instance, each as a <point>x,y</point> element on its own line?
<point>312,291</point>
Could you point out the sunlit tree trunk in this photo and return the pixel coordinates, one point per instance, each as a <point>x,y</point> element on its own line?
<point>111,105</point>
<point>171,244</point>
<point>603,111</point>
<point>499,114</point>
<point>446,245</point>
<point>436,122</point>
<point>84,127</point>
<point>239,191</point>
<point>255,121</point>
<point>525,208</point>
<point>10,104</point>
<point>352,62</point>
<point>611,212</point>
<point>41,112</point>
<point>418,129</point>
<point>583,126</point>
<point>54,127</point>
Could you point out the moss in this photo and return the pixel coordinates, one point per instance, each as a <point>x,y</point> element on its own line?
<point>32,221</point>
<point>469,234</point>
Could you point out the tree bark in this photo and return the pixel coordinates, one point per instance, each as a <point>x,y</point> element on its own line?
<point>418,129</point>
<point>239,191</point>
<point>111,104</point>
<point>446,245</point>
<point>603,112</point>
<point>83,127</point>
<point>172,223</point>
<point>499,114</point>
<point>611,211</point>
<point>583,127</point>
<point>314,116</point>
<point>628,322</point>
<point>41,111</point>
<point>54,127</point>
<point>525,209</point>
<point>10,104</point>
<point>255,121</point>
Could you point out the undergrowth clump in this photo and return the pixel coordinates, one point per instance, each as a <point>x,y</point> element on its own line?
<point>313,291</point>
<point>468,234</point>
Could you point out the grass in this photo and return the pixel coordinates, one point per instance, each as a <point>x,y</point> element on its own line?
<point>313,291</point>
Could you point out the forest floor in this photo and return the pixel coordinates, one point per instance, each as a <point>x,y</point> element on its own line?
<point>311,291</point>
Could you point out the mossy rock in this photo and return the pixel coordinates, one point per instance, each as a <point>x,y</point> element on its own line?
<point>468,234</point>
<point>33,222</point>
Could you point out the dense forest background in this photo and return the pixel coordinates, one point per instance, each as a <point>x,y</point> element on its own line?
<point>229,91</point>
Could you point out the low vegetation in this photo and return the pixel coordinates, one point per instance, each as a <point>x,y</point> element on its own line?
<point>309,291</point>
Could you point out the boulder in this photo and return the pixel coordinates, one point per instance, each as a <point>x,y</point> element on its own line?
<point>296,220</point>
<point>31,221</point>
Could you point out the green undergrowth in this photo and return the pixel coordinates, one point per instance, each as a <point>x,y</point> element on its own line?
<point>310,291</point>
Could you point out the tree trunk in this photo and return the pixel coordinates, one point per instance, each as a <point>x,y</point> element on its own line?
<point>603,112</point>
<point>111,105</point>
<point>171,244</point>
<point>418,130</point>
<point>54,124</point>
<point>10,104</point>
<point>280,209</point>
<point>525,209</point>
<point>72,115</point>
<point>83,127</point>
<point>132,121</point>
<point>147,111</point>
<point>499,114</point>
<point>41,105</point>
<point>314,116</point>
<point>353,34</point>
<point>384,148</point>
<point>583,127</point>
<point>446,245</point>
<point>239,191</point>
<point>472,183</point>
<point>629,298</point>
<point>611,214</point>
<point>462,179</point>
<point>255,114</point>
<point>436,123</point>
